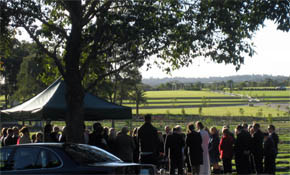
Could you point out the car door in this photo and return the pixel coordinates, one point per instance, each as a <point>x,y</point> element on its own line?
<point>5,154</point>
<point>31,160</point>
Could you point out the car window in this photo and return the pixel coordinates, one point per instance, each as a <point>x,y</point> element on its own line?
<point>4,156</point>
<point>47,159</point>
<point>85,154</point>
<point>25,158</point>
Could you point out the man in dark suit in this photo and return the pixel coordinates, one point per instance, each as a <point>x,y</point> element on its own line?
<point>174,145</point>
<point>148,142</point>
<point>275,138</point>
<point>96,137</point>
<point>257,147</point>
<point>242,150</point>
<point>269,154</point>
<point>193,142</point>
<point>167,132</point>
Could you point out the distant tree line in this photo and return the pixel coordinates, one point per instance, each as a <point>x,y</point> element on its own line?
<point>267,83</point>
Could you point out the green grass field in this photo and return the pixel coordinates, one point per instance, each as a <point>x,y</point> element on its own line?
<point>263,93</point>
<point>180,93</point>
<point>218,111</point>
<point>2,99</point>
<point>184,104</point>
<point>176,100</point>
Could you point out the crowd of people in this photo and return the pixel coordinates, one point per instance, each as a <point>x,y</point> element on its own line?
<point>198,151</point>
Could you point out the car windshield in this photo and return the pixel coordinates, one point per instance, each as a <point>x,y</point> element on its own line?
<point>86,154</point>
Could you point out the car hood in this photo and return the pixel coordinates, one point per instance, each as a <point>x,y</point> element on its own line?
<point>113,164</point>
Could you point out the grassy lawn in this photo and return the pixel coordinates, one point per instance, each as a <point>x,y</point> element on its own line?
<point>176,100</point>
<point>263,93</point>
<point>181,93</point>
<point>183,104</point>
<point>218,111</point>
<point>2,100</point>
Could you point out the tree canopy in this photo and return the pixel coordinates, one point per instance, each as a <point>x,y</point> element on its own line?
<point>94,39</point>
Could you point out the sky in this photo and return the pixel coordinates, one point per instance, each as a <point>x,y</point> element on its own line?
<point>272,58</point>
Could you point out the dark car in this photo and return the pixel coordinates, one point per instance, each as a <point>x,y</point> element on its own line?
<point>60,158</point>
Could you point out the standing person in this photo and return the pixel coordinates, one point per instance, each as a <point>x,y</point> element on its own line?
<point>161,145</point>
<point>24,136</point>
<point>15,135</point>
<point>106,133</point>
<point>62,136</point>
<point>213,149</point>
<point>96,138</point>
<point>257,147</point>
<point>205,167</point>
<point>3,135</point>
<point>195,152</point>
<point>242,151</point>
<point>167,132</point>
<point>124,145</point>
<point>33,138</point>
<point>39,137</point>
<point>275,138</point>
<point>47,133</point>
<point>55,134</point>
<point>269,154</point>
<point>8,140</point>
<point>86,134</point>
<point>174,150</point>
<point>226,150</point>
<point>111,140</point>
<point>148,142</point>
<point>136,150</point>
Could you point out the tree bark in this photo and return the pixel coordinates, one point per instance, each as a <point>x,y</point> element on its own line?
<point>74,89</point>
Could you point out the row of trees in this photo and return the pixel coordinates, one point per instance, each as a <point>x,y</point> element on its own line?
<point>91,40</point>
<point>230,84</point>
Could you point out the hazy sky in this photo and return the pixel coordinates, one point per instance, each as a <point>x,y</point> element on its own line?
<point>272,57</point>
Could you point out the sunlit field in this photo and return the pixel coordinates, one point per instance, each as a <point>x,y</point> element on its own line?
<point>180,93</point>
<point>263,93</point>
<point>256,111</point>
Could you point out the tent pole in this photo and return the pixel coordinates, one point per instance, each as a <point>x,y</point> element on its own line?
<point>113,123</point>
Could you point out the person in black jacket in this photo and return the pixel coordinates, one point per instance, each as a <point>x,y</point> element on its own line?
<point>148,142</point>
<point>275,138</point>
<point>257,147</point>
<point>242,151</point>
<point>96,137</point>
<point>8,140</point>
<point>213,149</point>
<point>195,152</point>
<point>269,154</point>
<point>174,145</point>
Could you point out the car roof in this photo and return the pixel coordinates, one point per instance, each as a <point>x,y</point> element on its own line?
<point>38,144</point>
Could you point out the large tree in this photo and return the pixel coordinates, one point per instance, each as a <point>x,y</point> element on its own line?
<point>101,34</point>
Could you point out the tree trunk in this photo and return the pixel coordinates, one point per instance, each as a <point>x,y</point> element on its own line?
<point>74,89</point>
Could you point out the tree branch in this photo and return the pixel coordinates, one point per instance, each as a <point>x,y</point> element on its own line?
<point>52,55</point>
<point>93,84</point>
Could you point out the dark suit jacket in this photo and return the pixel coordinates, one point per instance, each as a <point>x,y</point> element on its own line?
<point>148,138</point>
<point>193,142</point>
<point>269,148</point>
<point>175,144</point>
<point>257,143</point>
<point>242,143</point>
<point>125,147</point>
<point>275,138</point>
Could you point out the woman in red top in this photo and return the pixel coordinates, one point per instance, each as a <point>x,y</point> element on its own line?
<point>226,150</point>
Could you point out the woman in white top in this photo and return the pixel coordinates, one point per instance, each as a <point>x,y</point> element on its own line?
<point>205,167</point>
